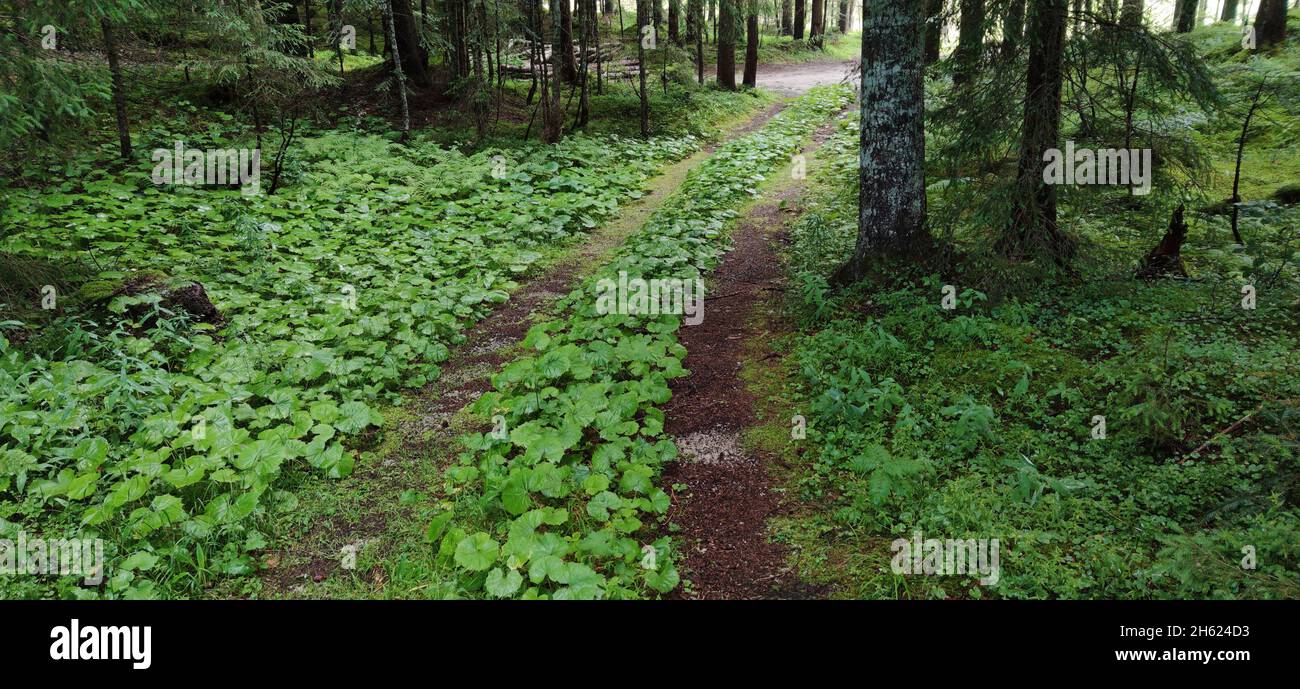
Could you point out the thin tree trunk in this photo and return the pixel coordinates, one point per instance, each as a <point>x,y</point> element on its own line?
<point>534,51</point>
<point>584,29</point>
<point>642,21</point>
<point>674,35</point>
<point>398,70</point>
<point>798,19</point>
<point>1132,12</point>
<point>1034,226</point>
<point>1229,11</point>
<point>457,40</point>
<point>933,29</point>
<point>1013,28</point>
<point>970,40</point>
<point>699,40</point>
<point>569,65</point>
<point>478,97</point>
<point>891,192</point>
<point>1241,149</point>
<point>370,31</point>
<point>595,37</point>
<point>406,43</point>
<point>1184,16</point>
<point>119,88</point>
<point>818,21</point>
<point>751,43</point>
<point>306,26</point>
<point>336,27</point>
<point>552,117</point>
<point>726,45</point>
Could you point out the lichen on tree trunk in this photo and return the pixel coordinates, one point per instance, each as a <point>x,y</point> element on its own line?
<point>891,195</point>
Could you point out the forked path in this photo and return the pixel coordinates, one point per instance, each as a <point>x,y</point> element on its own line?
<point>366,512</point>
<point>728,494</point>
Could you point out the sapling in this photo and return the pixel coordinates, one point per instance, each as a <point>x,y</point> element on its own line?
<point>1255,102</point>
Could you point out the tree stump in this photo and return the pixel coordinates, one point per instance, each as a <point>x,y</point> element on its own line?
<point>178,296</point>
<point>1166,259</point>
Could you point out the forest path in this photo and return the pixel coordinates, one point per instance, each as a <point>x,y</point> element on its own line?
<point>728,497</point>
<point>796,78</point>
<point>367,513</point>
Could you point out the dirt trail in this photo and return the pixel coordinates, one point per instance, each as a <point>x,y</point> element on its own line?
<point>369,503</point>
<point>795,79</point>
<point>728,500</point>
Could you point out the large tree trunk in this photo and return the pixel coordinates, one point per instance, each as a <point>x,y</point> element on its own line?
<point>787,17</point>
<point>1270,22</point>
<point>970,40</point>
<point>751,43</point>
<point>933,29</point>
<point>1184,16</point>
<point>891,195</point>
<point>118,86</point>
<point>1034,227</point>
<point>407,43</point>
<point>1229,11</point>
<point>727,44</point>
<point>798,19</point>
<point>674,22</point>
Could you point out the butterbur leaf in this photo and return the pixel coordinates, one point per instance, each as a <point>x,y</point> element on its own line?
<point>514,496</point>
<point>502,583</point>
<point>354,417</point>
<point>595,483</point>
<point>600,505</point>
<point>477,552</point>
<point>659,502</point>
<point>636,479</point>
<point>663,579</point>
